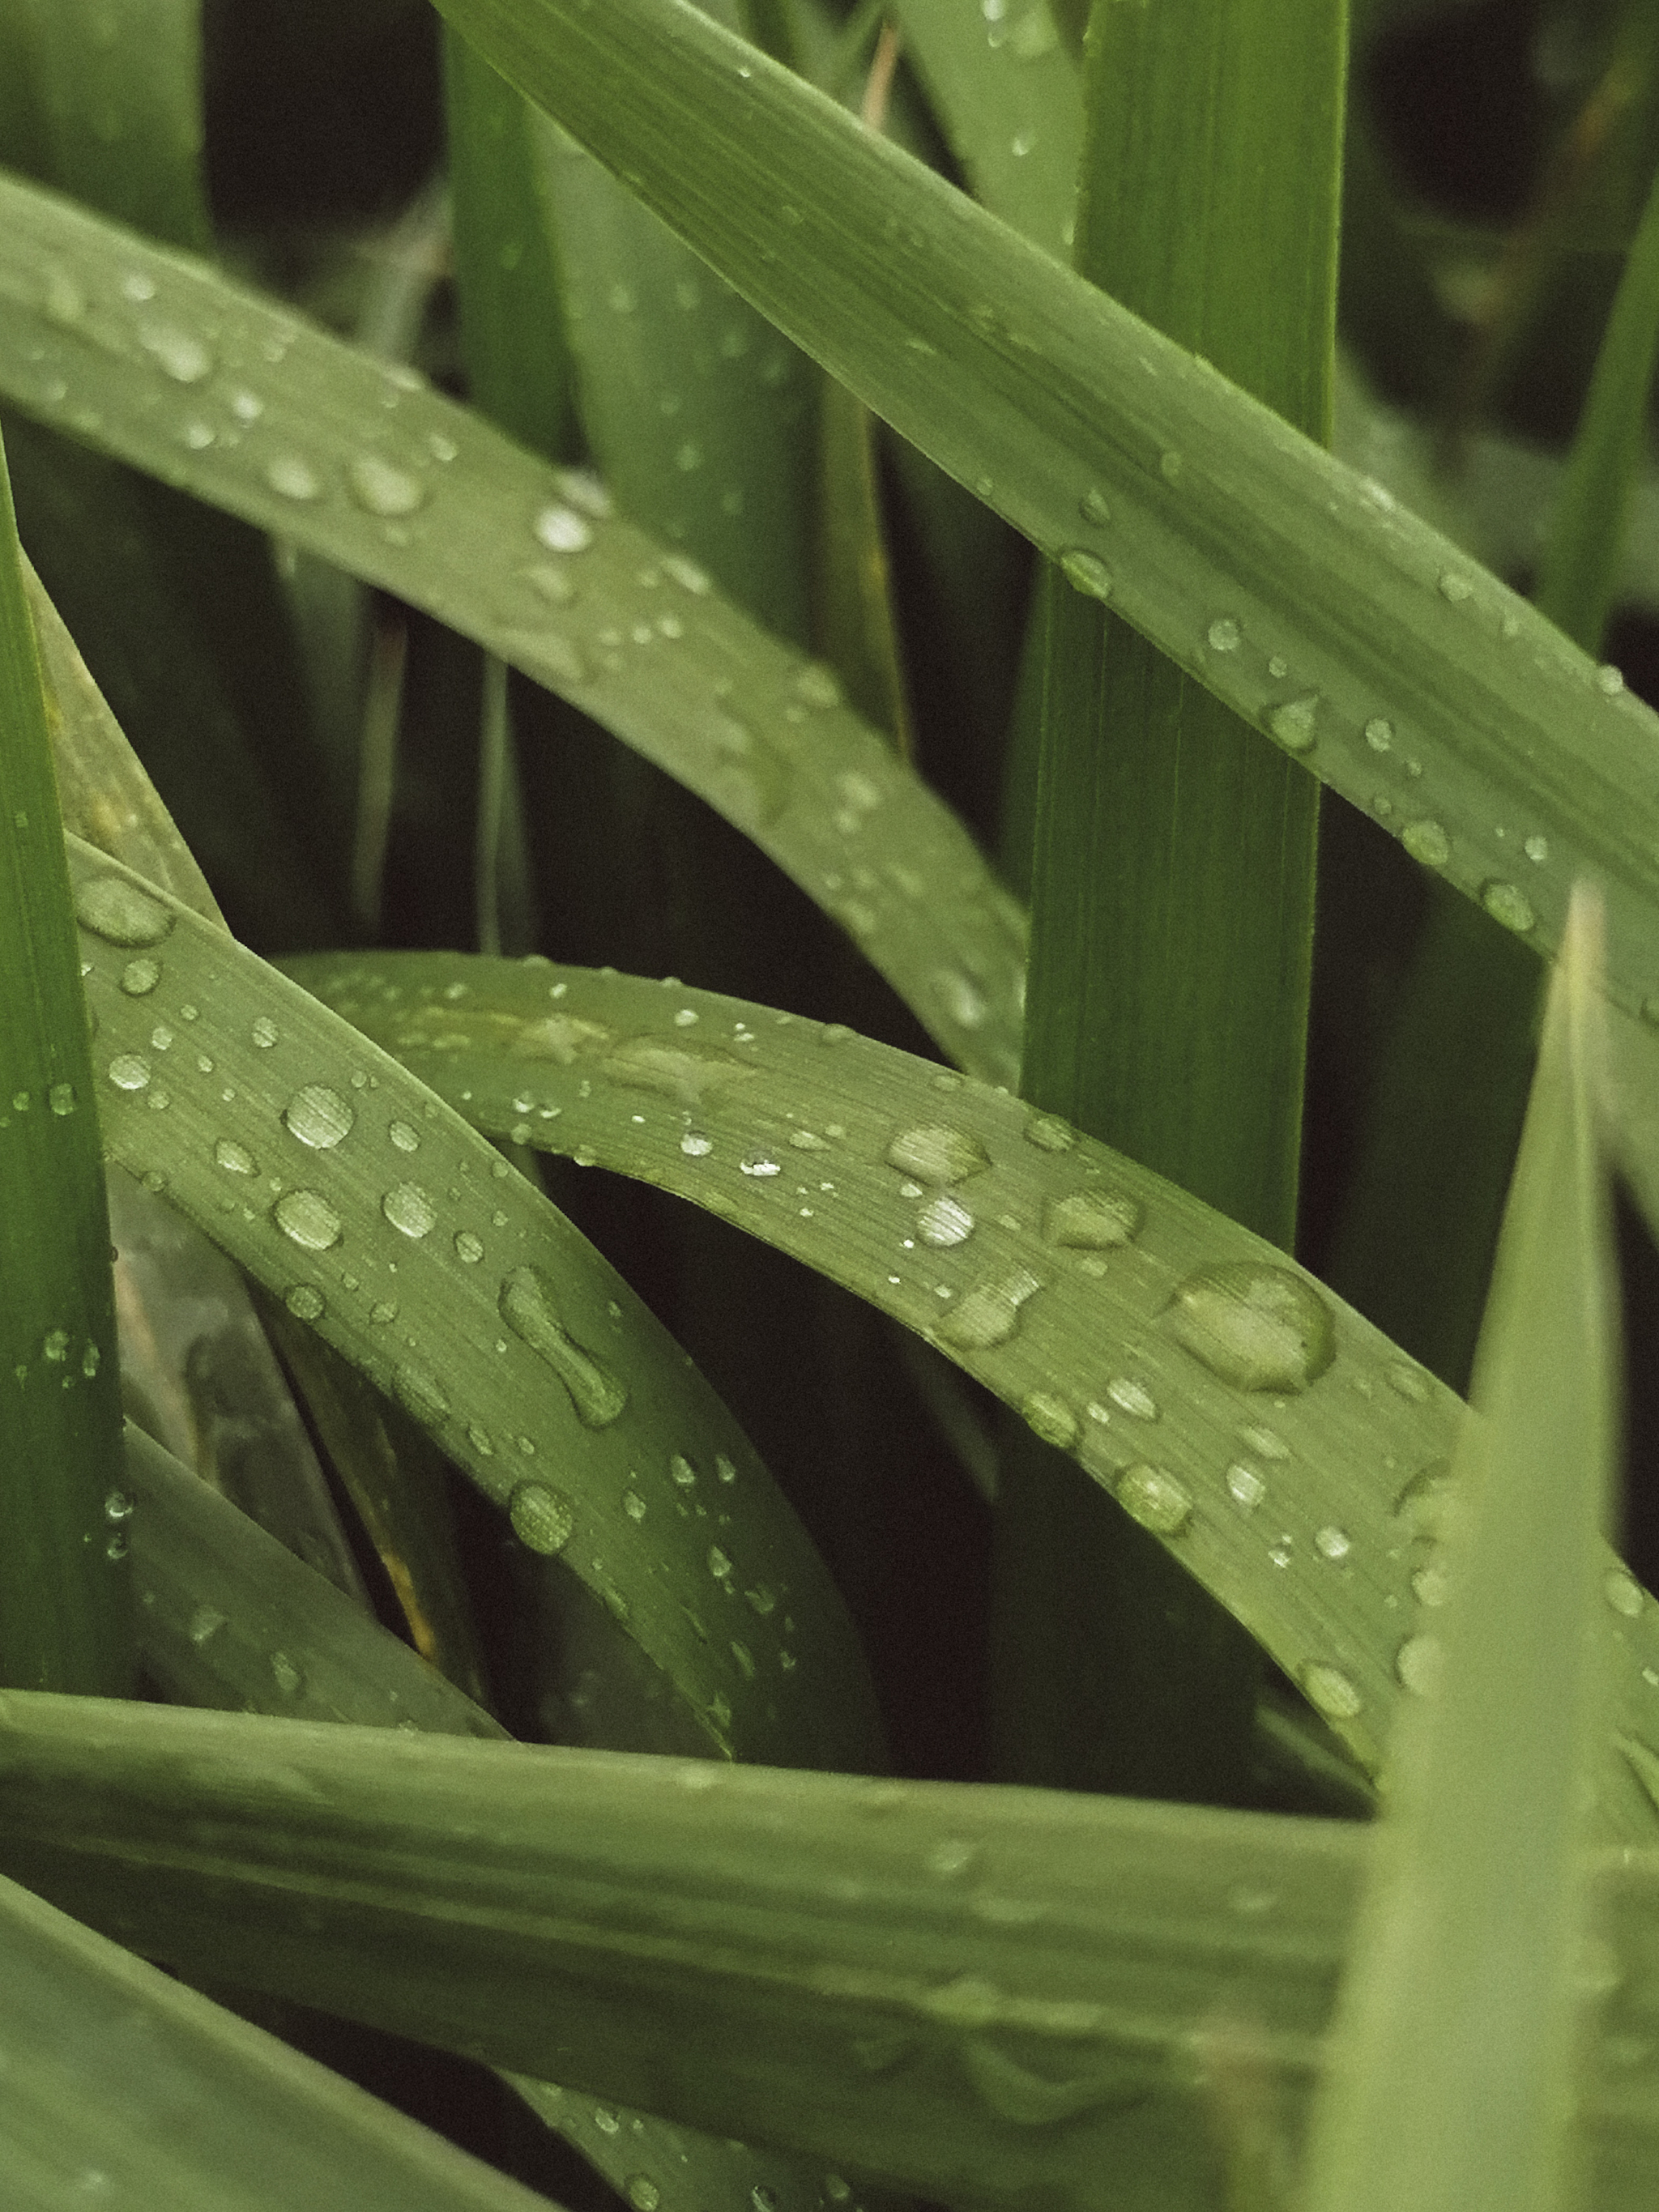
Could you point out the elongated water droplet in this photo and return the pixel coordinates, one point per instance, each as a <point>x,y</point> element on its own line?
<point>946,1221</point>
<point>1051,1418</point>
<point>420,1393</point>
<point>291,476</point>
<point>989,1315</point>
<point>235,1158</point>
<point>318,1117</point>
<point>529,1308</point>
<point>381,488</point>
<point>1091,1220</point>
<point>1508,905</point>
<point>1428,843</point>
<point>937,1154</point>
<point>541,1517</point>
<point>642,2192</point>
<point>1156,1499</point>
<point>263,1031</point>
<point>287,1676</point>
<point>408,1208</point>
<point>1257,1326</point>
<point>1245,1486</point>
<point>308,1219</point>
<point>1086,572</point>
<point>119,912</point>
<point>61,1099</point>
<point>1132,1398</point>
<point>1417,1663</point>
<point>1331,1693</point>
<point>1049,1134</point>
<point>1094,506</point>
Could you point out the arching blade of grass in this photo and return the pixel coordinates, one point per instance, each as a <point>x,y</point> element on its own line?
<point>107,2052</point>
<point>376,1215</point>
<point>65,1599</point>
<point>369,468</point>
<point>989,1995</point>
<point>1271,1437</point>
<point>1420,689</point>
<point>1453,2080</point>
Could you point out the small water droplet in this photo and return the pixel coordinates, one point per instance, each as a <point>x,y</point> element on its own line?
<point>265,1032</point>
<point>1049,1134</point>
<point>817,686</point>
<point>1417,1663</point>
<point>381,488</point>
<point>127,1071</point>
<point>696,1146</point>
<point>140,977</point>
<point>642,2193</point>
<point>529,1307</point>
<point>759,1165</point>
<point>292,477</point>
<point>988,1313</point>
<point>119,912</point>
<point>1379,733</point>
<point>1245,1486</point>
<point>318,1117</point>
<point>605,2120</point>
<point>420,1393</point>
<point>1257,1326</point>
<point>61,1099</point>
<point>204,1625</point>
<point>305,1302</point>
<point>937,1154</point>
<point>1428,843</point>
<point>1537,849</point>
<point>1334,1543</point>
<point>946,1221</point>
<point>1609,680</point>
<point>719,1564</point>
<point>1292,724</point>
<point>561,530</point>
<point>543,1518</point>
<point>1132,1398</point>
<point>1094,506</point>
<point>1454,586</point>
<point>1623,1592</point>
<point>288,1677</point>
<point>1050,1418</point>
<point>306,1217</point>
<point>469,1249</point>
<point>177,353</point>
<point>1508,905</point>
<point>1086,572</point>
<point>1156,1499</point>
<point>1224,634</point>
<point>1091,1220</point>
<point>1330,1692</point>
<point>235,1158</point>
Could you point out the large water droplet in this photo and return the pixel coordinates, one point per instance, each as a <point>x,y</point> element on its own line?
<point>1086,572</point>
<point>989,1315</point>
<point>1507,904</point>
<point>1257,1326</point>
<point>1156,1499</point>
<point>381,488</point>
<point>1091,1220</point>
<point>937,1154</point>
<point>118,911</point>
<point>529,1309</point>
<point>306,1217</point>
<point>1292,724</point>
<point>1428,843</point>
<point>318,1117</point>
<point>541,1517</point>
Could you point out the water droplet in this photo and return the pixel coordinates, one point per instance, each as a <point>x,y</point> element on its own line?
<point>1408,1381</point>
<point>91,1360</point>
<point>633,1505</point>
<point>1379,733</point>
<point>696,1146</point>
<point>1431,1584</point>
<point>817,686</point>
<point>989,1315</point>
<point>1279,667</point>
<point>1132,1398</point>
<point>1292,724</point>
<point>945,1222</point>
<point>1454,586</point>
<point>1428,843</point>
<point>140,977</point>
<point>420,1393</point>
<point>205,1622</point>
<point>61,1099</point>
<point>1094,506</point>
<point>937,1154</point>
<point>1608,680</point>
<point>1330,1692</point>
<point>127,1071</point>
<point>1224,635</point>
<point>235,1158</point>
<point>759,1165</point>
<point>836,2188</point>
<point>405,1139</point>
<point>642,2193</point>
<point>1156,1499</point>
<point>1334,1543</point>
<point>1049,1134</point>
<point>1509,906</point>
<point>1427,1502</point>
<point>1091,1220</point>
<point>561,530</point>
<point>1257,1326</point>
<point>605,2120</point>
<point>963,1000</point>
<point>529,1308</point>
<point>119,912</point>
<point>177,353</point>
<point>382,487</point>
<point>318,1117</point>
<point>1171,464</point>
<point>1245,1486</point>
<point>408,1208</point>
<point>1537,849</point>
<point>1623,1592</point>
<point>719,1564</point>
<point>292,477</point>
<point>287,1676</point>
<point>1051,1418</point>
<point>1418,1663</point>
<point>1086,572</point>
<point>468,1247</point>
<point>306,1217</point>
<point>305,1302</point>
<point>265,1032</point>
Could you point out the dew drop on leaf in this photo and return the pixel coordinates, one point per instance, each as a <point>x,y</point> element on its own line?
<point>561,530</point>
<point>528,1306</point>
<point>420,1393</point>
<point>1050,1418</point>
<point>1292,724</point>
<point>1086,572</point>
<point>1091,1220</point>
<point>945,1223</point>
<point>408,1208</point>
<point>177,353</point>
<point>292,477</point>
<point>1257,1326</point>
<point>127,1071</point>
<point>381,488</point>
<point>1511,907</point>
<point>305,1302</point>
<point>937,1154</point>
<point>318,1117</point>
<point>119,912</point>
<point>1156,1499</point>
<point>306,1217</point>
<point>988,1313</point>
<point>1224,634</point>
<point>1428,843</point>
<point>1330,1692</point>
<point>140,977</point>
